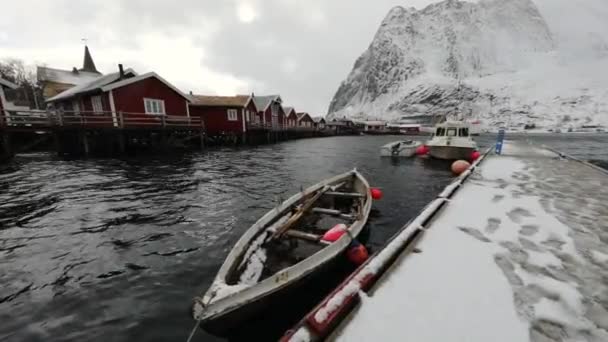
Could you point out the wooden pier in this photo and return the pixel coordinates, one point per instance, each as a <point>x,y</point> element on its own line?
<point>106,132</point>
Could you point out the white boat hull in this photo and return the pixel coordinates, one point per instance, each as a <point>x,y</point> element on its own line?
<point>451,152</point>
<point>400,149</point>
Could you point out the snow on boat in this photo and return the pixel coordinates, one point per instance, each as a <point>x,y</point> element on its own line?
<point>403,148</point>
<point>285,248</point>
<point>451,141</point>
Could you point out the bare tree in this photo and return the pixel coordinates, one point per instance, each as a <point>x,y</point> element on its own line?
<point>29,91</point>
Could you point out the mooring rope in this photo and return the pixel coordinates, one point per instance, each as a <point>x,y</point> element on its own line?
<point>193,330</point>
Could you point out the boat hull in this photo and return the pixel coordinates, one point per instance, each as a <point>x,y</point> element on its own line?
<point>404,150</point>
<point>255,317</point>
<point>451,152</point>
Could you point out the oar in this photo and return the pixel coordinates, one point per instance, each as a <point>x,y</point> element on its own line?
<point>300,213</point>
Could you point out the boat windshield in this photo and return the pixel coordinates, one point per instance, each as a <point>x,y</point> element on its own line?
<point>451,132</point>
<point>440,132</point>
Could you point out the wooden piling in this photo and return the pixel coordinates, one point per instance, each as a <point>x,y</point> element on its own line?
<point>6,145</point>
<point>85,143</point>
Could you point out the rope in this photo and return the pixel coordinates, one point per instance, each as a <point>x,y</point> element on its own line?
<point>193,330</point>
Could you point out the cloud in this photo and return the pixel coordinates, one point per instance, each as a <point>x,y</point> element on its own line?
<point>300,49</point>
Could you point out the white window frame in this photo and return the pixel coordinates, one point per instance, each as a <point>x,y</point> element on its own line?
<point>76,107</point>
<point>232,115</point>
<point>154,106</point>
<point>97,104</point>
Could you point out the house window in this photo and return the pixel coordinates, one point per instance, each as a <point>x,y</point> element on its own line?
<point>76,107</point>
<point>232,115</point>
<point>154,106</point>
<point>97,105</point>
<point>247,115</point>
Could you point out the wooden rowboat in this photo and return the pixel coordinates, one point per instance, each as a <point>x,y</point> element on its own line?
<point>284,249</point>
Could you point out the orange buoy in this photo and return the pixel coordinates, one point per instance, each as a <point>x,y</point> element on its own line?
<point>475,155</point>
<point>376,193</point>
<point>422,150</point>
<point>460,166</point>
<point>357,253</point>
<point>335,233</point>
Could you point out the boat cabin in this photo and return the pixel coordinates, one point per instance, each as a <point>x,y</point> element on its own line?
<point>452,130</point>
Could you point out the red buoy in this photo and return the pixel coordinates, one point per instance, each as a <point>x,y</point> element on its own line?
<point>422,150</point>
<point>335,233</point>
<point>475,155</point>
<point>460,166</point>
<point>376,193</point>
<point>357,253</point>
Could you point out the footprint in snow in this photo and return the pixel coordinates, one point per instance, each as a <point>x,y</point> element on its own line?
<point>493,225</point>
<point>518,214</point>
<point>475,233</point>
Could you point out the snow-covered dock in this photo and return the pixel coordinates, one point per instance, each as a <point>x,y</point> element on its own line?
<point>517,250</point>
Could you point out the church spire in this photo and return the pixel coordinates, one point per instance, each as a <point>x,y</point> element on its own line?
<point>88,64</point>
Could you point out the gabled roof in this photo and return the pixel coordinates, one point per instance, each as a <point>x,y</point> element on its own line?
<point>301,116</point>
<point>7,83</point>
<point>263,102</point>
<point>288,110</point>
<point>319,119</point>
<point>45,74</point>
<point>220,101</point>
<point>96,84</point>
<point>132,80</point>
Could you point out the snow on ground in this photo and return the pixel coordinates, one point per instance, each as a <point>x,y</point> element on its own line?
<point>515,256</point>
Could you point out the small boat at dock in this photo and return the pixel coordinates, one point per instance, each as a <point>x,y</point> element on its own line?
<point>402,148</point>
<point>285,249</point>
<point>452,141</point>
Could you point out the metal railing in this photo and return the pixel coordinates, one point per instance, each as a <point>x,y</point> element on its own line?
<point>90,119</point>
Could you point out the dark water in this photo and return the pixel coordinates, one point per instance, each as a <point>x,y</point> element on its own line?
<point>114,250</point>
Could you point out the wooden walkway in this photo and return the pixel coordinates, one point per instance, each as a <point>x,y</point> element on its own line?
<point>49,121</point>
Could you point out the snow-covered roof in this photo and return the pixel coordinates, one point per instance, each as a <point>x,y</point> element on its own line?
<point>263,102</point>
<point>46,74</point>
<point>288,110</point>
<point>7,84</point>
<point>301,116</point>
<point>220,101</point>
<point>132,80</point>
<point>95,84</point>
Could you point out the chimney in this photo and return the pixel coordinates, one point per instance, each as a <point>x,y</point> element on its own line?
<point>121,72</point>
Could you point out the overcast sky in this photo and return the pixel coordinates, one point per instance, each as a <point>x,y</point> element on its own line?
<point>301,49</point>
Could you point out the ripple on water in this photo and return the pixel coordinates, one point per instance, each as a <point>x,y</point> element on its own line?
<point>108,249</point>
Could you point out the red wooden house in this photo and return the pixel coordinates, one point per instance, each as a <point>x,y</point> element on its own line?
<point>224,115</point>
<point>143,98</point>
<point>270,111</point>
<point>291,117</point>
<point>8,85</point>
<point>305,120</point>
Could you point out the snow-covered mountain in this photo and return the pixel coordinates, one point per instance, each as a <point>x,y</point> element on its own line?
<point>495,60</point>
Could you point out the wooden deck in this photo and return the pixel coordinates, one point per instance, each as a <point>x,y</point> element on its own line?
<point>49,121</point>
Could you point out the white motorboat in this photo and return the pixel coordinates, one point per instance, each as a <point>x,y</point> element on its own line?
<point>451,141</point>
<point>402,148</point>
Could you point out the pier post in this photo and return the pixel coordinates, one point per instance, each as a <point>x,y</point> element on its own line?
<point>6,144</point>
<point>57,143</point>
<point>85,143</point>
<point>202,137</point>
<point>121,142</point>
